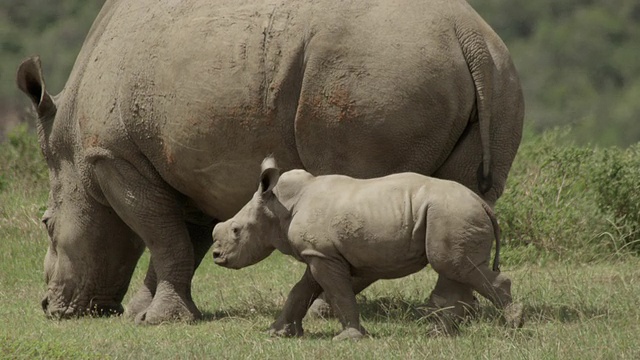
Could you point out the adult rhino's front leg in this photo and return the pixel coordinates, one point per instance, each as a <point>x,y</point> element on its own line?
<point>153,210</point>
<point>200,235</point>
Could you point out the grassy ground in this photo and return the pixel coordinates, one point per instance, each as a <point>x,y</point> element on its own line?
<point>575,309</point>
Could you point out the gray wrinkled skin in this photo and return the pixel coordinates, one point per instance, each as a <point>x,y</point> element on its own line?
<point>172,104</point>
<point>381,228</point>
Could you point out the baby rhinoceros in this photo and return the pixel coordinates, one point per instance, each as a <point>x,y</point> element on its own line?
<point>371,229</point>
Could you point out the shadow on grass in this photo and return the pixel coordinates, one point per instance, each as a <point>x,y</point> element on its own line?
<point>389,308</point>
<point>267,311</point>
<point>563,313</point>
<point>242,313</point>
<point>398,309</point>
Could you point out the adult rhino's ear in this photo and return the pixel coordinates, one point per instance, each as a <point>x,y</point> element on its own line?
<point>30,80</point>
<point>269,176</point>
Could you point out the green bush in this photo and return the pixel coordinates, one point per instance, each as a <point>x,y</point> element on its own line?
<point>21,161</point>
<point>568,201</point>
<point>617,184</point>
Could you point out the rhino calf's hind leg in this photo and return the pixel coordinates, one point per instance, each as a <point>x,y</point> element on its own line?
<point>496,287</point>
<point>449,302</point>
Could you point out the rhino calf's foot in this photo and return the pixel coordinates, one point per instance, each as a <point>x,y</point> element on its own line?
<point>350,334</point>
<point>287,330</point>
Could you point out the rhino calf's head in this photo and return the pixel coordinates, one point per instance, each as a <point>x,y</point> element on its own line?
<point>247,238</point>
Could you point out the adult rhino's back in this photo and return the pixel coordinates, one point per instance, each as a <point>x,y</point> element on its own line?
<point>204,89</point>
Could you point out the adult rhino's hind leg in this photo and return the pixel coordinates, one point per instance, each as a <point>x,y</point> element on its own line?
<point>154,212</point>
<point>143,297</point>
<point>200,235</point>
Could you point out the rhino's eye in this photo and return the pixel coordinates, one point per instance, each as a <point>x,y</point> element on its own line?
<point>46,221</point>
<point>235,230</point>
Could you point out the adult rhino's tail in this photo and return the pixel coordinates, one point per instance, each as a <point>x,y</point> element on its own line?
<point>496,233</point>
<point>478,58</point>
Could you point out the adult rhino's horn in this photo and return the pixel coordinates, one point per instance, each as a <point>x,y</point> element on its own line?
<point>31,81</point>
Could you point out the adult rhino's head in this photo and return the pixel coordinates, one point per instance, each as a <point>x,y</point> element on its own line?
<point>92,253</point>
<point>246,238</point>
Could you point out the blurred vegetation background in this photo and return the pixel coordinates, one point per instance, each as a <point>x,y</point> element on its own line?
<point>578,59</point>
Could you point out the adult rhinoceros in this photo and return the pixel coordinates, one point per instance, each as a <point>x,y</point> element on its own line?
<point>172,105</point>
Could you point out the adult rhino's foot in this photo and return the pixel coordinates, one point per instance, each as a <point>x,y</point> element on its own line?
<point>319,309</point>
<point>169,306</point>
<point>350,334</point>
<point>286,330</point>
<point>138,303</point>
<point>514,315</point>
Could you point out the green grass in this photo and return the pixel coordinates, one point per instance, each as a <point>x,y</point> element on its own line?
<point>585,306</point>
<point>573,311</point>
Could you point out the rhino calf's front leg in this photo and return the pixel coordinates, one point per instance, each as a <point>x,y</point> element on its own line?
<point>335,279</point>
<point>289,322</point>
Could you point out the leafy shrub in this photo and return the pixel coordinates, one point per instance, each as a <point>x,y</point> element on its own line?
<point>617,184</point>
<point>21,161</point>
<point>569,201</point>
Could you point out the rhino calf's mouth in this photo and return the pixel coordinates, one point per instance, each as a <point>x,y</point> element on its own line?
<point>219,258</point>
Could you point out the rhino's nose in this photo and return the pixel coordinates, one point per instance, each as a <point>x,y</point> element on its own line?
<point>216,253</point>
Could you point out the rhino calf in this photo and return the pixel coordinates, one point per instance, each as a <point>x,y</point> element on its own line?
<point>382,228</point>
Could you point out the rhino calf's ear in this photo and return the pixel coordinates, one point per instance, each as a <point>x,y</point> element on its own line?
<point>31,81</point>
<point>270,175</point>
